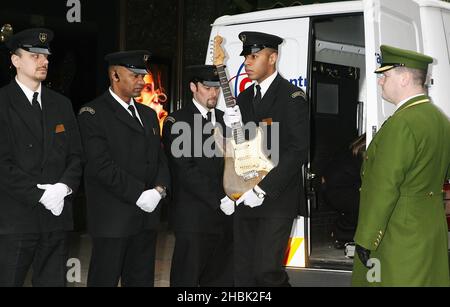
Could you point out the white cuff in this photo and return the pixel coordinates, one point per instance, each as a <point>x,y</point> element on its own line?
<point>69,190</point>
<point>259,190</point>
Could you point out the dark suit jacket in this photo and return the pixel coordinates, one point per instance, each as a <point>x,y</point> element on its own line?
<point>31,156</point>
<point>197,180</point>
<point>283,103</point>
<point>122,161</point>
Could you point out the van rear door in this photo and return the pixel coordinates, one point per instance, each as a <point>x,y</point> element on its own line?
<point>395,23</point>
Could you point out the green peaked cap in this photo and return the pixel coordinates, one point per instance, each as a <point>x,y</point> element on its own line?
<point>396,57</point>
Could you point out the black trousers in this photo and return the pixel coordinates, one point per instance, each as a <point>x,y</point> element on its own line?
<point>259,251</point>
<point>46,253</point>
<point>202,260</point>
<point>130,260</point>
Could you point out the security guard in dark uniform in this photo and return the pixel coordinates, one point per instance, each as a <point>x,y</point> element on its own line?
<point>200,213</point>
<point>40,168</point>
<point>126,176</point>
<point>265,214</point>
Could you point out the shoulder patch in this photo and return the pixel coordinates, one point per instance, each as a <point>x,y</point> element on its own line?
<point>299,94</point>
<point>170,119</point>
<point>87,109</point>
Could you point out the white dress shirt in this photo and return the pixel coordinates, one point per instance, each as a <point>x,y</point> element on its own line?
<point>266,84</point>
<point>29,93</point>
<point>204,111</point>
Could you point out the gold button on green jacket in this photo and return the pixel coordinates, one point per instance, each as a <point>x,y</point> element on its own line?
<point>402,218</point>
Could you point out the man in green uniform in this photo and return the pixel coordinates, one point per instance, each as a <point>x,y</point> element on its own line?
<point>402,233</point>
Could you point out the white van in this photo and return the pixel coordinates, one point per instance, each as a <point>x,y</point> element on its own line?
<point>331,51</point>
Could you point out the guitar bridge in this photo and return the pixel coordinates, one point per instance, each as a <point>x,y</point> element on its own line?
<point>250,175</point>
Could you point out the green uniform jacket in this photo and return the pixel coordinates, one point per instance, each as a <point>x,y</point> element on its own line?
<point>402,218</point>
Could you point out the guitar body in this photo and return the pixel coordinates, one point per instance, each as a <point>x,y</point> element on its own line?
<point>245,164</point>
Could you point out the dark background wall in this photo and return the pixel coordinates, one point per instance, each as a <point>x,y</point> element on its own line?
<point>76,65</point>
<point>175,31</point>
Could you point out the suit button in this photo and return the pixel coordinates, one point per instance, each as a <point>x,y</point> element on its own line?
<point>431,194</point>
<point>30,145</point>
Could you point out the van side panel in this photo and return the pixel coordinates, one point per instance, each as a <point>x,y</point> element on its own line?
<point>436,34</point>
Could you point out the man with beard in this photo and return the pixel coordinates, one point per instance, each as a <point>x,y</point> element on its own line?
<point>126,176</point>
<point>200,211</point>
<point>40,168</point>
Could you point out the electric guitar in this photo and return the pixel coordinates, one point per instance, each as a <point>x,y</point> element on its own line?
<point>245,162</point>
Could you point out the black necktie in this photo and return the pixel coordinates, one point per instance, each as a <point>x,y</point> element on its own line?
<point>133,112</point>
<point>36,106</point>
<point>257,98</point>
<point>37,109</point>
<point>209,116</point>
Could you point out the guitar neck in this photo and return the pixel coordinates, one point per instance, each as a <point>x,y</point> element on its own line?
<point>229,100</point>
<point>238,132</point>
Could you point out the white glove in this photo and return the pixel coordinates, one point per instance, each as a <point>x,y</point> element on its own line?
<point>53,197</point>
<point>251,199</point>
<point>232,116</point>
<point>58,209</point>
<point>149,200</point>
<point>227,205</point>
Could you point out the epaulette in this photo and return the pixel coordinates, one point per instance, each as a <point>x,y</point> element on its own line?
<point>299,94</point>
<point>87,109</point>
<point>170,119</point>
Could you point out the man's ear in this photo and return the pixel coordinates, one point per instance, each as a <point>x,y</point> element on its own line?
<point>15,60</point>
<point>406,78</point>
<point>273,58</point>
<point>193,87</point>
<point>116,76</point>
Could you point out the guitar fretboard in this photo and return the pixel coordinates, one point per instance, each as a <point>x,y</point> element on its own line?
<point>238,132</point>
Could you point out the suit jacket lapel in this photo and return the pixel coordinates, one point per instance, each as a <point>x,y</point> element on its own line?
<point>247,99</point>
<point>194,110</point>
<point>213,162</point>
<point>123,114</point>
<point>51,116</point>
<point>146,119</point>
<point>24,110</point>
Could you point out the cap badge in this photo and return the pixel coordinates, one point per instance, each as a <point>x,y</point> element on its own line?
<point>43,37</point>
<point>243,38</point>
<point>146,57</point>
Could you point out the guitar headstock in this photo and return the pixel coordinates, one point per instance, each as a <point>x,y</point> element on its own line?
<point>219,54</point>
